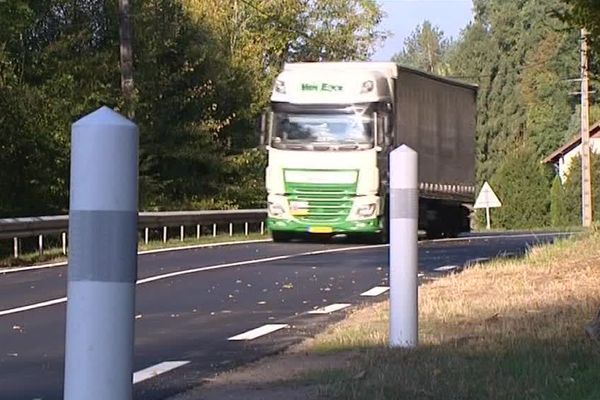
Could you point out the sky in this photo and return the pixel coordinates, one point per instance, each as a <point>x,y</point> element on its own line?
<point>403,16</point>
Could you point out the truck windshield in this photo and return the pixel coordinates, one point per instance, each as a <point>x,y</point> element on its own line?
<point>334,130</point>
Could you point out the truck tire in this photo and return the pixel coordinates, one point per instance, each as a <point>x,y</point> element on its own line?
<point>281,237</point>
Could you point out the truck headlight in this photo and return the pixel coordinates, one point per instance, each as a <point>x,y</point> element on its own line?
<point>366,210</point>
<point>367,87</point>
<point>275,210</point>
<point>280,86</point>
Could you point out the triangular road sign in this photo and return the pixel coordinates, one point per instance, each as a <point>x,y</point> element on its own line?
<point>487,198</point>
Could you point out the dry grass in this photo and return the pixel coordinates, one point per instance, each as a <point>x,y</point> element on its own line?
<point>507,330</point>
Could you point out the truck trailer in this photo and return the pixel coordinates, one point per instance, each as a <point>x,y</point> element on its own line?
<point>329,131</point>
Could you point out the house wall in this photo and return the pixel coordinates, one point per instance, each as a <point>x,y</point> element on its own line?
<point>564,163</point>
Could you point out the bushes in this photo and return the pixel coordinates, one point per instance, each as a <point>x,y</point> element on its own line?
<point>566,197</point>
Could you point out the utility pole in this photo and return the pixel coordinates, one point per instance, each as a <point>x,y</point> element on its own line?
<point>126,53</point>
<point>586,178</point>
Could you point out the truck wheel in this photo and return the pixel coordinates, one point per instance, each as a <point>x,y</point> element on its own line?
<point>280,237</point>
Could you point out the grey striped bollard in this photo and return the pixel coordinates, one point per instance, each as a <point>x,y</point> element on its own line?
<point>404,216</point>
<point>102,258</point>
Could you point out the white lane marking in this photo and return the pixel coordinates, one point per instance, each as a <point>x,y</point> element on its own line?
<point>258,332</point>
<point>251,262</point>
<point>33,306</point>
<point>141,253</point>
<point>195,270</point>
<point>156,370</point>
<point>446,268</point>
<point>330,308</point>
<point>376,291</point>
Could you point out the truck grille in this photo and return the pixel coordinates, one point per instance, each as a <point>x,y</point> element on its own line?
<point>327,203</point>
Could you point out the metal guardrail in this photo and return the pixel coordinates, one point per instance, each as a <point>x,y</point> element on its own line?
<point>16,228</point>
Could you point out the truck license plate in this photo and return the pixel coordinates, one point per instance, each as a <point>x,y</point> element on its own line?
<point>320,229</point>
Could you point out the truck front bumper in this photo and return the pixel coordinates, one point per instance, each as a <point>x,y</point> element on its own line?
<point>371,225</point>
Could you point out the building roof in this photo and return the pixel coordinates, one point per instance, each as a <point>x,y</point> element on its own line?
<point>571,144</point>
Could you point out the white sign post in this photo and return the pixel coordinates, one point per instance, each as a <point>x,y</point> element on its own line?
<point>487,199</point>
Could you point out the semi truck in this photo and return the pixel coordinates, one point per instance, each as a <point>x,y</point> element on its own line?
<point>329,132</point>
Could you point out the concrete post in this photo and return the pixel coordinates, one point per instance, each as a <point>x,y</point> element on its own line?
<point>102,258</point>
<point>404,213</point>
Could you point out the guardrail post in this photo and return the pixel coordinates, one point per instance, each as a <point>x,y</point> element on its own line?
<point>214,230</point>
<point>41,244</point>
<point>16,247</point>
<point>146,234</point>
<point>181,233</point>
<point>198,232</point>
<point>404,213</point>
<point>103,241</point>
<point>63,239</point>
<point>164,234</point>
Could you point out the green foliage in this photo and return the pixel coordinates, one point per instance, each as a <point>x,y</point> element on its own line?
<point>203,70</point>
<point>558,205</point>
<point>425,49</point>
<point>585,14</point>
<point>569,203</point>
<point>520,54</point>
<point>524,190</point>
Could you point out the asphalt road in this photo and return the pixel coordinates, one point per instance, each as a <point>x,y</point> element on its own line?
<point>190,302</point>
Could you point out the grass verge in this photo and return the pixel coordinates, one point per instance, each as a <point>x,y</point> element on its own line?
<point>510,329</point>
<point>56,255</point>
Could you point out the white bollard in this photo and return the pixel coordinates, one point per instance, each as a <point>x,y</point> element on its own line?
<point>404,215</point>
<point>165,234</point>
<point>181,233</point>
<point>102,258</point>
<point>262,227</point>
<point>16,247</point>
<point>198,232</point>
<point>214,230</point>
<point>246,228</point>
<point>230,229</point>
<point>41,244</point>
<point>146,234</point>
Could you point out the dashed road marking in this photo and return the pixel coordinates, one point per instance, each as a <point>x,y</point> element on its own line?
<point>258,332</point>
<point>156,370</point>
<point>446,268</point>
<point>376,291</point>
<point>330,308</point>
<point>196,270</point>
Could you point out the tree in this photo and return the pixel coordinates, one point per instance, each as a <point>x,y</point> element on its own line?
<point>425,49</point>
<point>524,191</point>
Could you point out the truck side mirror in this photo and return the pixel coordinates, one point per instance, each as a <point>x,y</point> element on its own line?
<point>376,132</point>
<point>261,130</point>
<point>387,130</point>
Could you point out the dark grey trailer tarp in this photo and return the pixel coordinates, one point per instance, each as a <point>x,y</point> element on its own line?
<point>436,117</point>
